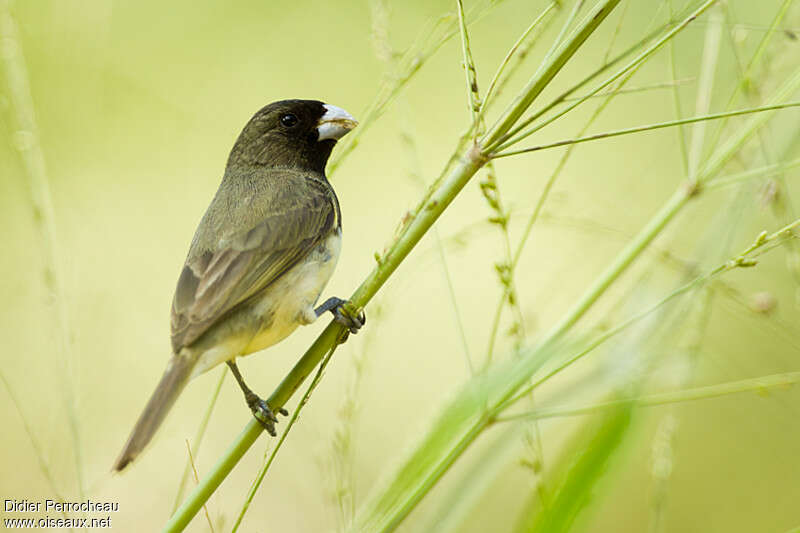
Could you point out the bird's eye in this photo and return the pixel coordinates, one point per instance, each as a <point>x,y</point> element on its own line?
<point>288,120</point>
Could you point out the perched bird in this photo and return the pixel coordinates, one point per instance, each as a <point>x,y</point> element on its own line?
<point>260,258</point>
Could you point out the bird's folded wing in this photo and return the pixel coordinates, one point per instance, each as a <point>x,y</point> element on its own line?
<point>215,281</point>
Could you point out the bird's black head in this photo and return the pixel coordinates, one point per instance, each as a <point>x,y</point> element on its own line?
<point>291,133</point>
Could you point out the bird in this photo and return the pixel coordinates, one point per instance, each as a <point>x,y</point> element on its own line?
<point>260,257</point>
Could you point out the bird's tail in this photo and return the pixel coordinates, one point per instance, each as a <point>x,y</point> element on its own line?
<point>172,383</point>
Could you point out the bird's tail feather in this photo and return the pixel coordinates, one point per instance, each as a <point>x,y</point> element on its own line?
<point>171,385</point>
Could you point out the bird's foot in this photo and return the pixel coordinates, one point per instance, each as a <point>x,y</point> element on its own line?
<point>345,313</point>
<point>263,413</point>
<point>348,316</point>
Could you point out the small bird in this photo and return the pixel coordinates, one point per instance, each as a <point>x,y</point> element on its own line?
<point>260,258</point>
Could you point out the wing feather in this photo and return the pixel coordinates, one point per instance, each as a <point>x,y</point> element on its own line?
<point>243,263</point>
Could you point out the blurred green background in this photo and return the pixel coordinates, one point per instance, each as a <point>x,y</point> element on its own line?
<point>137,106</point>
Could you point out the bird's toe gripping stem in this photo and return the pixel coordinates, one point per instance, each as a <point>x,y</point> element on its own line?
<point>345,313</point>
<point>263,413</point>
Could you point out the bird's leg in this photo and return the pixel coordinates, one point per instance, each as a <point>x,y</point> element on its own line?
<point>343,313</point>
<point>259,407</point>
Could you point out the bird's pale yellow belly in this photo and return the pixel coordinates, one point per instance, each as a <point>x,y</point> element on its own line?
<point>287,303</point>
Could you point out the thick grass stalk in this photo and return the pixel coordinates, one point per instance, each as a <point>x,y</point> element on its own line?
<point>437,200</point>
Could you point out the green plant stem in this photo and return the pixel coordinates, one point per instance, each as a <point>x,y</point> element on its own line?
<point>452,293</point>
<point>573,14</point>
<point>564,97</point>
<point>473,98</point>
<point>713,40</point>
<point>507,59</point>
<point>505,268</point>
<point>724,152</point>
<point>632,90</point>
<point>766,171</point>
<point>647,127</point>
<point>547,71</point>
<point>759,384</point>
<point>676,99</point>
<point>746,77</point>
<point>193,468</point>
<point>516,134</point>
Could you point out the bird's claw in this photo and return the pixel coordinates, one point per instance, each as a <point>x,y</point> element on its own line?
<point>344,313</point>
<point>351,318</point>
<point>264,414</point>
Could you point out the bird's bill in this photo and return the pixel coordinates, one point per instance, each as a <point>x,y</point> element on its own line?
<point>335,123</point>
